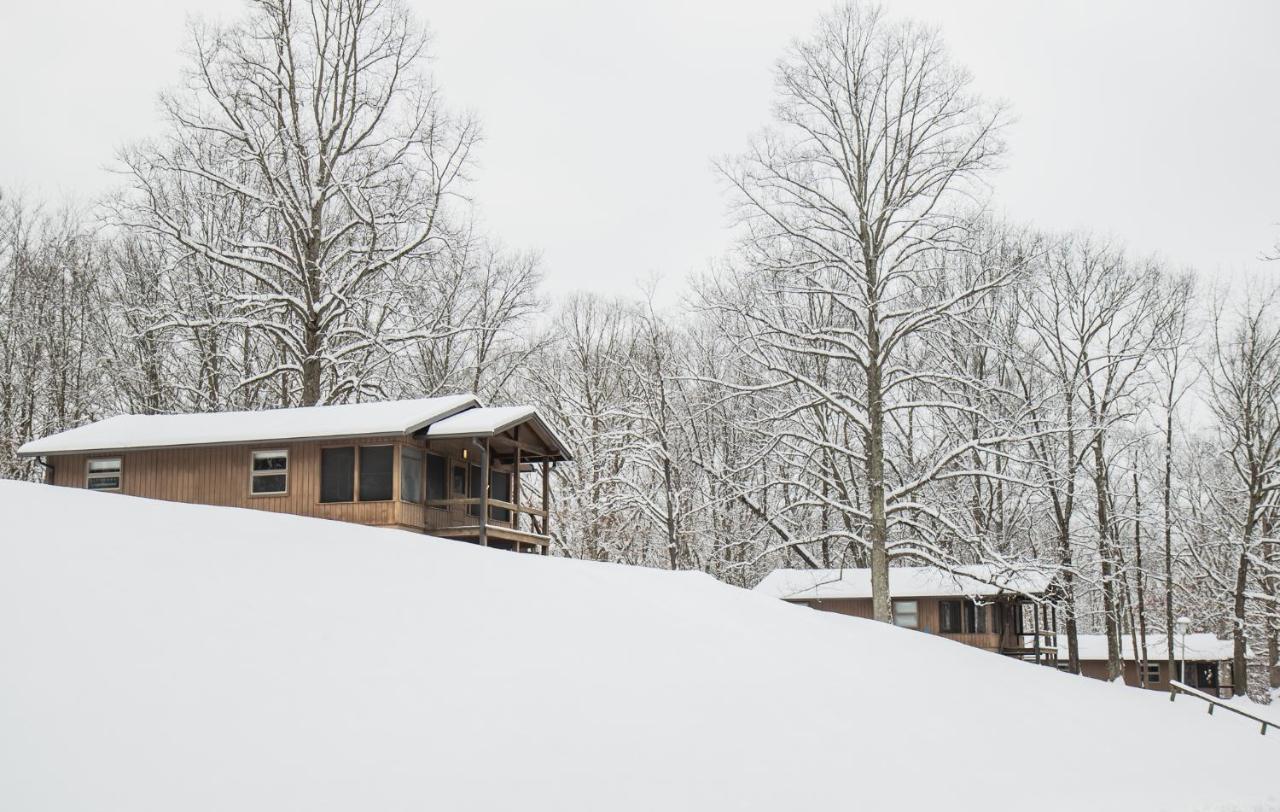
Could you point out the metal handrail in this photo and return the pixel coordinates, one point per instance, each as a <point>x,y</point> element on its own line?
<point>1176,687</point>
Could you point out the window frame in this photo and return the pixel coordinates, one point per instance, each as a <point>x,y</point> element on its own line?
<point>254,475</point>
<point>90,474</point>
<point>1152,677</point>
<point>391,497</point>
<point>355,474</point>
<point>894,611</point>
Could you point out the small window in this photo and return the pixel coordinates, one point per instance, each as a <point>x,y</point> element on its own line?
<point>104,474</point>
<point>975,617</point>
<point>949,621</point>
<point>410,474</point>
<point>338,474</point>
<point>1153,673</point>
<point>376,463</point>
<point>437,482</point>
<point>906,614</point>
<point>270,473</point>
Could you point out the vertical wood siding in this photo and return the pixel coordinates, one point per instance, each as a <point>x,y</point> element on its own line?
<point>219,475</point>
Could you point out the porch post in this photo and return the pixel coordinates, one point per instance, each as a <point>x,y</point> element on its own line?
<point>515,486</point>
<point>546,505</point>
<point>484,495</point>
<point>1035,614</point>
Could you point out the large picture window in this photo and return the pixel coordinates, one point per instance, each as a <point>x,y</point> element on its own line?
<point>269,473</point>
<point>103,474</point>
<point>338,474</point>
<point>376,466</point>
<point>410,474</point>
<point>962,616</point>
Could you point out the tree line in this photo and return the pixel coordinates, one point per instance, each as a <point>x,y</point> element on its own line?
<point>878,370</point>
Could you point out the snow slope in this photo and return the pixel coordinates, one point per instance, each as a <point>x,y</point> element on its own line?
<point>160,656</point>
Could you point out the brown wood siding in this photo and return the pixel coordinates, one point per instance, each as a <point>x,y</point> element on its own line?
<point>219,475</point>
<point>929,618</point>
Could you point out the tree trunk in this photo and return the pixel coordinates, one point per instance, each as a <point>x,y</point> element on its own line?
<point>881,605</point>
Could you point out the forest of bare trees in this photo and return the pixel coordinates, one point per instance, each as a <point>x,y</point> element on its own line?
<point>880,370</point>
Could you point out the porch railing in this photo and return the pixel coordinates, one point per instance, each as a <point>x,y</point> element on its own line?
<point>1176,688</point>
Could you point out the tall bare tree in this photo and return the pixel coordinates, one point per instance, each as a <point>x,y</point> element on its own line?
<point>848,205</point>
<point>316,121</point>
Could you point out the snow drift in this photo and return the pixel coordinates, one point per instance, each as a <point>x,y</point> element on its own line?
<point>161,656</point>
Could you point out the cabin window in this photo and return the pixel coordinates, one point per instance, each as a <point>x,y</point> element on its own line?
<point>957,617</point>
<point>475,483</point>
<point>975,617</point>
<point>437,478</point>
<point>376,465</point>
<point>949,620</point>
<point>270,472</point>
<point>410,474</point>
<point>103,474</point>
<point>1153,673</point>
<point>500,488</point>
<point>906,614</point>
<point>337,474</point>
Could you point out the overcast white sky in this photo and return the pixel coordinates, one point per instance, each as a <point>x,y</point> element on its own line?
<point>1156,122</point>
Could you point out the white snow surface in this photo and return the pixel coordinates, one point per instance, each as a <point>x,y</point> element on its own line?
<point>904,582</point>
<point>1198,647</point>
<point>129,431</point>
<point>161,656</point>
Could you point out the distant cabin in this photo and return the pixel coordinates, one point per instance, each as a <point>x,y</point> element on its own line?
<point>1200,660</point>
<point>1000,612</point>
<point>447,466</point>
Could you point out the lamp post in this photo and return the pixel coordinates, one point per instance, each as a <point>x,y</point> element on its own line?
<point>1181,625</point>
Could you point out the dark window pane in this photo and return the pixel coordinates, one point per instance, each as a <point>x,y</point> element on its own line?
<point>459,482</point>
<point>476,483</point>
<point>337,474</point>
<point>375,472</point>
<point>500,488</point>
<point>949,616</point>
<point>411,475</point>
<point>277,462</point>
<point>979,618</point>
<point>269,483</point>
<point>436,473</point>
<point>104,483</point>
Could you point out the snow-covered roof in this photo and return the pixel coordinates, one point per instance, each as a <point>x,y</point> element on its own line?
<point>490,420</point>
<point>134,432</point>
<point>1199,647</point>
<point>975,580</point>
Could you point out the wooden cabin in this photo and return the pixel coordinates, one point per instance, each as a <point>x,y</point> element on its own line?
<point>1200,660</point>
<point>446,466</point>
<point>1001,612</point>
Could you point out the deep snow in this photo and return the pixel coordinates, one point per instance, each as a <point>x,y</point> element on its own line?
<point>160,656</point>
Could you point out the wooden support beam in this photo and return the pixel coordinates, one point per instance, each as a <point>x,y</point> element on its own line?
<point>484,496</point>
<point>546,503</point>
<point>515,486</point>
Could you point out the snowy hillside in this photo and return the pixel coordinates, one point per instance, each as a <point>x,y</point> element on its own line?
<point>160,657</point>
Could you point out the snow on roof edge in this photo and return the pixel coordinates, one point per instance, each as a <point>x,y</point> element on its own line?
<point>129,432</point>
<point>975,580</point>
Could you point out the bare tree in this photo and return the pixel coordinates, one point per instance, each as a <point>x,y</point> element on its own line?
<point>315,121</point>
<point>848,206</point>
<point>1244,387</point>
